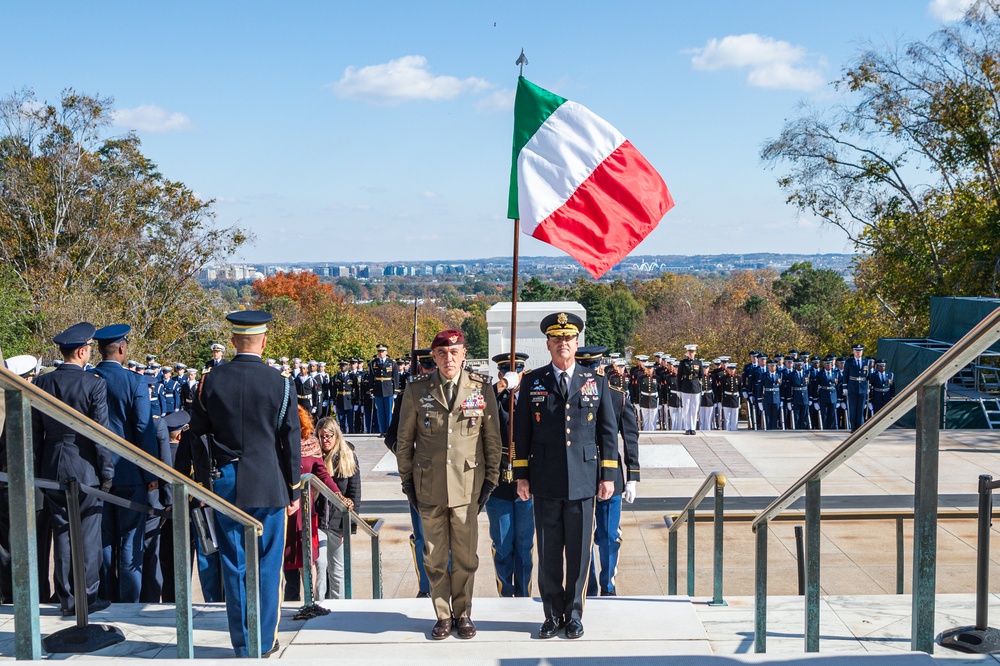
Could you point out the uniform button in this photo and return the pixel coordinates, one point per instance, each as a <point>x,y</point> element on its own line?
<point>567,442</point>
<point>449,446</point>
<point>567,405</point>
<point>567,431</point>
<point>449,430</point>
<point>567,418</point>
<point>449,462</point>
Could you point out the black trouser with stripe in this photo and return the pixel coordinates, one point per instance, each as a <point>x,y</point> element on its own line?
<point>565,532</point>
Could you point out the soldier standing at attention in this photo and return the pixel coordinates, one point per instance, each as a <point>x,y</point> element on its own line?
<point>342,395</point>
<point>385,378</point>
<point>170,391</point>
<point>882,385</point>
<point>689,387</point>
<point>768,394</point>
<point>801,384</point>
<point>61,454</point>
<point>649,397</point>
<point>129,417</point>
<point>322,378</point>
<point>251,413</point>
<point>307,391</point>
<point>448,453</point>
<point>856,380</point>
<point>826,382</point>
<point>217,360</point>
<point>566,450</point>
<point>730,384</point>
<point>188,389</point>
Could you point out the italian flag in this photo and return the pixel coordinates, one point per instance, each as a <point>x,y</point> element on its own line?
<point>577,183</point>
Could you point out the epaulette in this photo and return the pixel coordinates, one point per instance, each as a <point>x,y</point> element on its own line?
<point>616,388</point>
<point>485,379</point>
<point>528,372</point>
<point>600,371</point>
<point>419,378</point>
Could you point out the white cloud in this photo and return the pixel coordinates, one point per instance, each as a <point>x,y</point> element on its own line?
<point>429,195</point>
<point>497,101</point>
<point>150,118</point>
<point>949,10</point>
<point>772,63</point>
<point>402,80</point>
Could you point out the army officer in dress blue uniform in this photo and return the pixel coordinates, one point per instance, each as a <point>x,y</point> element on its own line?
<point>61,454</point>
<point>385,383</point>
<point>251,413</point>
<point>129,417</point>
<point>566,451</point>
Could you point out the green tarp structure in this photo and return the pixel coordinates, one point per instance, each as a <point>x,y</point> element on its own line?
<point>951,319</point>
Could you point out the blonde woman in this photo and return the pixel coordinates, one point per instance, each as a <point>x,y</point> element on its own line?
<point>340,459</point>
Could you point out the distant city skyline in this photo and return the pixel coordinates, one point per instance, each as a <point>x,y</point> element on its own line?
<point>383,131</point>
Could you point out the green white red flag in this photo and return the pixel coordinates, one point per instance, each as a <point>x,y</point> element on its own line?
<point>577,183</point>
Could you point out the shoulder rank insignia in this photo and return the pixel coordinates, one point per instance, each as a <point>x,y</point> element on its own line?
<point>475,376</point>
<point>419,378</point>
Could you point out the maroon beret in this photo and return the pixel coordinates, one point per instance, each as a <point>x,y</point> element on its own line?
<point>448,338</point>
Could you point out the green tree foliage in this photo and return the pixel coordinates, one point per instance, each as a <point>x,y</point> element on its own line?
<point>908,166</point>
<point>477,339</point>
<point>613,313</point>
<point>536,291</point>
<point>94,231</point>
<point>16,320</point>
<point>815,299</point>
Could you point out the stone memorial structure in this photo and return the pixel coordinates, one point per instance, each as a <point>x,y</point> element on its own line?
<point>530,338</point>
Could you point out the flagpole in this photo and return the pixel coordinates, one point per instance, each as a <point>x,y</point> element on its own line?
<point>507,473</point>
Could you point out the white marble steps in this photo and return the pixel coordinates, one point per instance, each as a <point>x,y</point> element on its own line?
<point>622,626</point>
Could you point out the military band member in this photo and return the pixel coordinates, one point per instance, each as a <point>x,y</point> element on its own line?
<point>448,453</point>
<point>385,382</point>
<point>512,519</point>
<point>608,512</point>
<point>689,386</point>
<point>856,381</point>
<point>342,397</point>
<point>883,386</point>
<point>251,414</point>
<point>566,452</point>
<point>730,384</point>
<point>827,383</point>
<point>649,397</point>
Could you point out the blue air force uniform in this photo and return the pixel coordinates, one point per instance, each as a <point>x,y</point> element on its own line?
<point>883,386</point>
<point>61,454</point>
<point>251,413</point>
<point>768,387</point>
<point>856,380</point>
<point>827,383</point>
<point>799,382</point>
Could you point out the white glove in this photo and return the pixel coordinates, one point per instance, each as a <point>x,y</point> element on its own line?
<point>513,379</point>
<point>629,495</point>
<point>788,406</point>
<point>870,406</point>
<point>816,406</point>
<point>744,395</point>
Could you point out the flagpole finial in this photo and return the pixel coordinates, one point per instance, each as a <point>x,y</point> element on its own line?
<point>522,61</point>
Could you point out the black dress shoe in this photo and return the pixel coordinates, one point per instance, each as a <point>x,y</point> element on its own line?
<point>550,627</point>
<point>465,627</point>
<point>442,629</point>
<point>609,594</point>
<point>574,629</point>
<point>96,607</point>
<point>274,649</point>
<point>423,595</point>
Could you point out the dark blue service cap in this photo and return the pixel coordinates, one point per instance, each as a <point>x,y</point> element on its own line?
<point>505,357</point>
<point>249,322</point>
<point>112,333</point>
<point>590,355</point>
<point>562,324</point>
<point>75,336</point>
<point>177,420</point>
<point>858,347</point>
<point>880,361</point>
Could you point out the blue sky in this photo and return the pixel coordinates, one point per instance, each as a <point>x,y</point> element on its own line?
<point>381,131</point>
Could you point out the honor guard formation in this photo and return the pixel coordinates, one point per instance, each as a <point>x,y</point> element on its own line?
<point>549,454</point>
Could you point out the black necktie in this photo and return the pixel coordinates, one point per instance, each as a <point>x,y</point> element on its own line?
<point>564,384</point>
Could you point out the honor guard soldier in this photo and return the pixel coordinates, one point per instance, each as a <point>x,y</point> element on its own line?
<point>608,512</point>
<point>342,390</point>
<point>826,383</point>
<point>800,382</point>
<point>155,391</point>
<point>883,386</point>
<point>404,374</point>
<point>784,370</point>
<point>358,394</point>
<point>649,397</point>
<point>634,374</point>
<point>717,372</point>
<point>61,454</point>
<point>689,386</point>
<point>512,519</point>
<point>769,394</point>
<point>129,417</point>
<point>250,413</point>
<point>307,391</point>
<point>730,398</point>
<point>566,452</point>
<point>217,360</point>
<point>814,416</point>
<point>706,412</point>
<point>322,378</point>
<point>448,453</point>
<point>426,366</point>
<point>668,388</point>
<point>385,381</point>
<point>188,389</point>
<point>170,392</point>
<point>748,381</point>
<point>856,380</point>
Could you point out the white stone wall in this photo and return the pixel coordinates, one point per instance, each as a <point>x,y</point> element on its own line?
<point>530,338</point>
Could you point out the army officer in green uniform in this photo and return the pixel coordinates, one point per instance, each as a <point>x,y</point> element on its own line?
<point>448,453</point>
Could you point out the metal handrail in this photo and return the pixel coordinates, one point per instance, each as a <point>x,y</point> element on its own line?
<point>372,529</point>
<point>716,481</point>
<point>20,398</point>
<point>924,393</point>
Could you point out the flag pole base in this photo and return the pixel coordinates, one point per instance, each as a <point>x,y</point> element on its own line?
<point>81,640</point>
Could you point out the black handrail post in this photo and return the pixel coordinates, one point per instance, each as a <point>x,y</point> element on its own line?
<point>182,570</point>
<point>800,560</point>
<point>76,548</point>
<point>925,507</point>
<point>983,559</point>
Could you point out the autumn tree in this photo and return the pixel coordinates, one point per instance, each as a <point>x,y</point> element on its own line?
<point>907,165</point>
<point>94,231</point>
